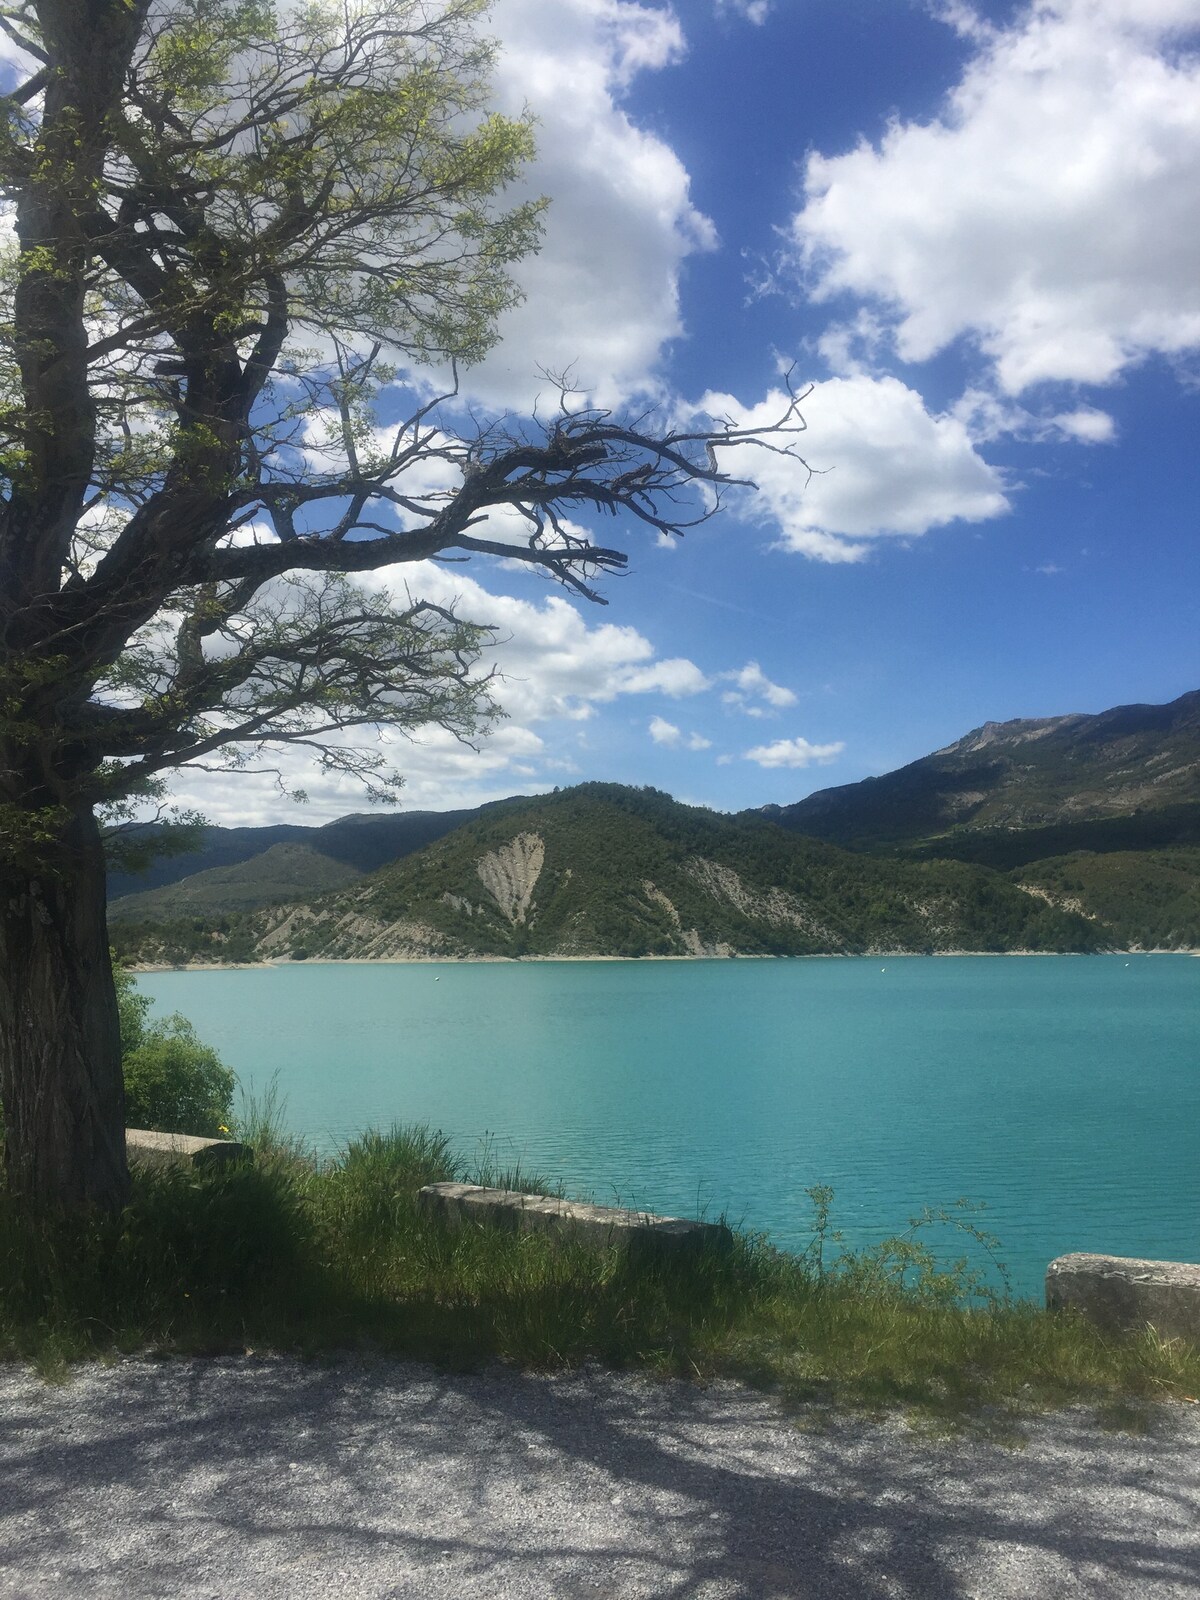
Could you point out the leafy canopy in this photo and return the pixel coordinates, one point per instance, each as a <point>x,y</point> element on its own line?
<point>237,228</point>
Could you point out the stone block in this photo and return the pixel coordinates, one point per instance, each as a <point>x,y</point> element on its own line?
<point>597,1226</point>
<point>1122,1294</point>
<point>147,1149</point>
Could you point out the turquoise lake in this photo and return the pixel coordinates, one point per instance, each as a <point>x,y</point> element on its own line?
<point>1064,1092</point>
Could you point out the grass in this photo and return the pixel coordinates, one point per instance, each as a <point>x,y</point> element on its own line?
<point>296,1254</point>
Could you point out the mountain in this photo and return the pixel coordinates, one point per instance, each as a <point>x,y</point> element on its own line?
<point>237,868</point>
<point>1012,792</point>
<point>1074,833</point>
<point>287,871</point>
<point>605,870</point>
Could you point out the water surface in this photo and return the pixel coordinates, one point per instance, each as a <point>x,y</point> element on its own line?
<point>1062,1091</point>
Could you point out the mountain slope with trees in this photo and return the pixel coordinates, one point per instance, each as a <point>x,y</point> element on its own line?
<point>1018,791</point>
<point>605,870</point>
<point>235,869</point>
<point>625,872</point>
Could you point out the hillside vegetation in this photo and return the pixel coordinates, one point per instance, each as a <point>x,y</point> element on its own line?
<point>361,842</point>
<point>284,872</point>
<point>1137,767</point>
<point>1070,833</point>
<point>606,870</point>
<point>1150,899</point>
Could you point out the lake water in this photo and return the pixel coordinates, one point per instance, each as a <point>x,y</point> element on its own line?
<point>1062,1091</point>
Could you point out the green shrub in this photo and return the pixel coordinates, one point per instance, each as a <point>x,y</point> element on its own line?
<point>173,1082</point>
<point>176,1084</point>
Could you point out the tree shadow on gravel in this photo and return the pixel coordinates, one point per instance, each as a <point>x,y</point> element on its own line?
<point>270,1478</point>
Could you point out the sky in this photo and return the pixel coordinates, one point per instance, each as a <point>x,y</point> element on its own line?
<point>973,233</point>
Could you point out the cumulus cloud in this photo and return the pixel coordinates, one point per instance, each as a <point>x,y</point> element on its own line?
<point>795,753</point>
<point>552,661</point>
<point>440,774</point>
<point>603,292</point>
<point>881,464</point>
<point>666,733</point>
<point>751,685</point>
<point>554,665</point>
<point>1087,424</point>
<point>1049,212</point>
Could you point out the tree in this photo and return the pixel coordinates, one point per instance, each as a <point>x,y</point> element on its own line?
<point>235,230</point>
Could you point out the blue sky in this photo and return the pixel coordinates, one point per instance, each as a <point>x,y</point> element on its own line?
<point>975,231</point>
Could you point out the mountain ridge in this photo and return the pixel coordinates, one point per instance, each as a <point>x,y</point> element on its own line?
<point>1054,863</point>
<point>1077,769</point>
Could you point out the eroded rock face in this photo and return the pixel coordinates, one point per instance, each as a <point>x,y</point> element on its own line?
<point>510,874</point>
<point>774,905</point>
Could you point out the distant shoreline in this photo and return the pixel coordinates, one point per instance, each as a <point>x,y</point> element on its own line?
<point>516,961</point>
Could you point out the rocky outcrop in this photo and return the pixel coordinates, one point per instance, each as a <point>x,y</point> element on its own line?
<point>349,935</point>
<point>510,875</point>
<point>774,906</point>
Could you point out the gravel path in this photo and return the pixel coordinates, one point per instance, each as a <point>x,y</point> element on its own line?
<point>257,1479</point>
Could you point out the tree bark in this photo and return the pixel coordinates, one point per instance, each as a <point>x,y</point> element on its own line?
<point>60,1044</point>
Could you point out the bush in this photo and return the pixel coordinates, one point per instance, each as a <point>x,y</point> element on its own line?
<point>176,1084</point>
<point>173,1082</point>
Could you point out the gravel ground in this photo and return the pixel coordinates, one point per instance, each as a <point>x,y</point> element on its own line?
<point>255,1479</point>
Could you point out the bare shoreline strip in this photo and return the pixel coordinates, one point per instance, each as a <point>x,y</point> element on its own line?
<point>516,961</point>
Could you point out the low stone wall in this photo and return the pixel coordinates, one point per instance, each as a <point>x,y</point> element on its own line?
<point>1122,1294</point>
<point>597,1226</point>
<point>146,1149</point>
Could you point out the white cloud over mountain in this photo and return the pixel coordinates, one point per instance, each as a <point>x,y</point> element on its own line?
<point>750,684</point>
<point>556,668</point>
<point>1049,214</point>
<point>881,464</point>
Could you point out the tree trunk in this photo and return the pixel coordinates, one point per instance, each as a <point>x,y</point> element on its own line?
<point>60,1043</point>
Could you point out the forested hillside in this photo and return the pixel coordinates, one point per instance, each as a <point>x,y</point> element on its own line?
<point>1070,833</point>
<point>1123,779</point>
<point>605,870</point>
<point>1150,899</point>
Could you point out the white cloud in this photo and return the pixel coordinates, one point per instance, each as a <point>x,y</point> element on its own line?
<point>1050,212</point>
<point>603,292</point>
<point>795,753</point>
<point>676,677</point>
<point>666,733</point>
<point>1087,425</point>
<point>553,661</point>
<point>555,666</point>
<point>440,774</point>
<point>987,416</point>
<point>882,464</point>
<point>751,681</point>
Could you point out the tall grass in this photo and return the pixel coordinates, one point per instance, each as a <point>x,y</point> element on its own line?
<point>293,1253</point>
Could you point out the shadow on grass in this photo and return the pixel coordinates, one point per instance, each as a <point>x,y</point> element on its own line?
<point>291,1254</point>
